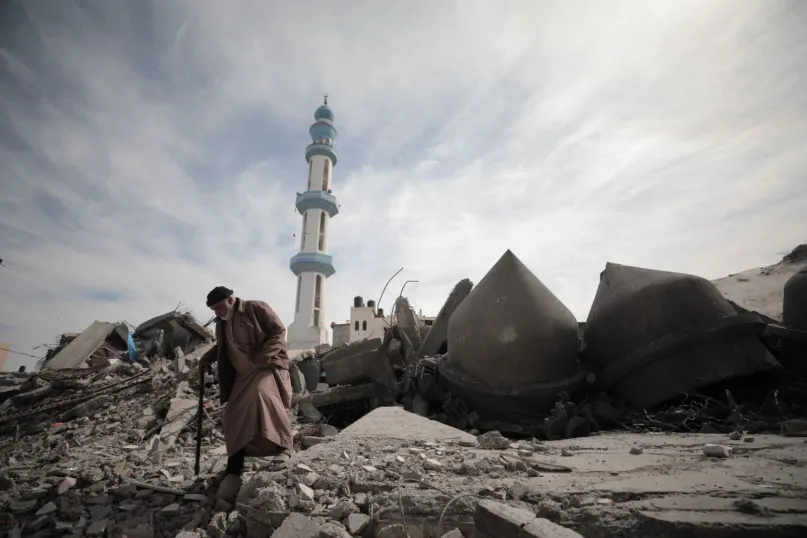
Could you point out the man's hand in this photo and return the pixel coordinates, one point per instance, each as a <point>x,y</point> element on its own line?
<point>206,361</point>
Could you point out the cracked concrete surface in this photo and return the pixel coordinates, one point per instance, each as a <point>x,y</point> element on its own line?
<point>669,489</point>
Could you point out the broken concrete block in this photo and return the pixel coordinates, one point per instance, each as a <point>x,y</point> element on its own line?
<point>356,523</point>
<point>499,519</point>
<point>97,528</point>
<point>350,364</point>
<point>543,528</point>
<point>436,339</point>
<point>297,526</point>
<point>716,451</point>
<point>513,345</point>
<point>305,493</point>
<point>502,520</point>
<point>333,530</point>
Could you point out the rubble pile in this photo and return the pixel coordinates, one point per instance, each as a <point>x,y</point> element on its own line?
<point>659,351</point>
<point>101,439</point>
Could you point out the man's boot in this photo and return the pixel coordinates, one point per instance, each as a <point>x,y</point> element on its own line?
<point>231,484</point>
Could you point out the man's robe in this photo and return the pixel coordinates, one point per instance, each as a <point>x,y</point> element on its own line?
<point>254,381</point>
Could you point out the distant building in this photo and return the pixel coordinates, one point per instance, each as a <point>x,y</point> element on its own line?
<point>366,321</point>
<point>4,346</point>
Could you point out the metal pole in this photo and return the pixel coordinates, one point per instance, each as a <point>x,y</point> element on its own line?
<point>200,413</point>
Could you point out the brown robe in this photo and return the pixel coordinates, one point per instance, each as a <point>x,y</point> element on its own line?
<point>254,381</point>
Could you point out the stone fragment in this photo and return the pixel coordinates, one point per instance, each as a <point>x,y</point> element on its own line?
<point>432,465</point>
<point>499,519</point>
<point>326,430</point>
<point>49,508</point>
<point>543,528</point>
<point>23,506</point>
<point>97,528</point>
<point>305,492</point>
<point>342,509</point>
<point>356,523</point>
<point>301,468</point>
<point>309,440</point>
<point>493,440</point>
<point>333,530</point>
<point>297,526</point>
<point>455,533</point>
<point>735,436</point>
<point>217,527</point>
<point>66,484</point>
<point>716,451</point>
<point>188,534</point>
<point>270,498</point>
<point>636,450</point>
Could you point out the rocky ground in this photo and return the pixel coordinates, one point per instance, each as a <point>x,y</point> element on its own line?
<point>108,471</point>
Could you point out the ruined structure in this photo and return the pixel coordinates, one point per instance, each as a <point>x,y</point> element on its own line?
<point>652,335</point>
<point>794,303</point>
<point>512,345</point>
<point>435,342</point>
<point>313,265</point>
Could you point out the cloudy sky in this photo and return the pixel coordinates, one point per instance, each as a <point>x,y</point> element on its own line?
<point>151,150</point>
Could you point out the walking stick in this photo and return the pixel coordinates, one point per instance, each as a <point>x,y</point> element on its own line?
<point>200,413</point>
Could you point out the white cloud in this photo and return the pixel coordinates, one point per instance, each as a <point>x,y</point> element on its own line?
<point>154,149</point>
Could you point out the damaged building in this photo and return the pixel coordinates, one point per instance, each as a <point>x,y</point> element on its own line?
<point>677,408</point>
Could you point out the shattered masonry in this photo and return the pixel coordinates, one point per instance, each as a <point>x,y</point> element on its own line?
<point>540,425</point>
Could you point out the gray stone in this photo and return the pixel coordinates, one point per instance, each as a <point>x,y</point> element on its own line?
<point>356,523</point>
<point>543,528</point>
<point>342,509</point>
<point>22,507</point>
<point>333,530</point>
<point>297,526</point>
<point>499,519</point>
<point>438,333</point>
<point>49,508</point>
<point>493,440</point>
<point>97,528</point>
<point>456,533</point>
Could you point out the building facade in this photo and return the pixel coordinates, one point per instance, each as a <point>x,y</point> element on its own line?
<point>312,265</point>
<point>366,322</point>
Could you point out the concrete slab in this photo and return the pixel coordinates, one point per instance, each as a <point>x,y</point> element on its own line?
<point>396,423</point>
<point>671,482</point>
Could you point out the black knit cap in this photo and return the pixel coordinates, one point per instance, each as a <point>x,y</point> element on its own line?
<point>218,294</point>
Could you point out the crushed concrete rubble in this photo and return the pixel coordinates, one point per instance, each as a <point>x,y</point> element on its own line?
<point>502,419</point>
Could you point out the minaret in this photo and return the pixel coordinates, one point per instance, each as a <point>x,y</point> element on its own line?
<point>313,265</point>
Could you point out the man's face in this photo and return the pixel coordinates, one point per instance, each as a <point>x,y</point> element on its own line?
<point>224,309</point>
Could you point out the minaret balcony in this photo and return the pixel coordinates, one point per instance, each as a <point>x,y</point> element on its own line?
<point>321,149</point>
<point>312,262</point>
<point>317,200</point>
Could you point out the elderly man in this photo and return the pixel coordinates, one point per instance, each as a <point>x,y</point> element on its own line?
<point>254,382</point>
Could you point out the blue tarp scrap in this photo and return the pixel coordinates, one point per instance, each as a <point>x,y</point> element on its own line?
<point>132,349</point>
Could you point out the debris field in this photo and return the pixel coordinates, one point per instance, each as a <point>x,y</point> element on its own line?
<point>671,411</point>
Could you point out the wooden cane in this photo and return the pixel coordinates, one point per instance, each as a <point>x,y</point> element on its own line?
<point>200,413</point>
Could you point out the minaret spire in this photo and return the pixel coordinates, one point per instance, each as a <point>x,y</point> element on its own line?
<point>313,265</point>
